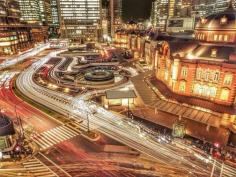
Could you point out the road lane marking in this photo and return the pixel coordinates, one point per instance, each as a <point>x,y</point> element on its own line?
<point>54,136</point>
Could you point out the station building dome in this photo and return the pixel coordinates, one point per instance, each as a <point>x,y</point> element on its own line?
<point>218,28</point>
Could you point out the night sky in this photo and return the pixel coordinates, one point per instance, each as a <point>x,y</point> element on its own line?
<point>136,9</point>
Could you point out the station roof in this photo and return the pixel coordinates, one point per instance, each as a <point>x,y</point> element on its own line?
<point>119,94</point>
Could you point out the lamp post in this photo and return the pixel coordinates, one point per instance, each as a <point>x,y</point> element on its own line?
<point>1,155</point>
<point>128,107</point>
<point>1,111</point>
<point>87,122</point>
<point>19,121</point>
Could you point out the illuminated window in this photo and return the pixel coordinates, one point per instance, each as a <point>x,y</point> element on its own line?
<point>215,37</point>
<point>198,73</point>
<point>212,92</point>
<point>182,86</point>
<point>226,38</point>
<point>214,53</point>
<point>216,76</point>
<point>184,72</point>
<point>203,74</point>
<point>207,75</point>
<point>166,74</point>
<point>211,75</point>
<point>203,20</point>
<point>203,36</point>
<point>196,89</point>
<point>220,37</point>
<point>224,94</point>
<point>228,79</point>
<point>204,90</point>
<point>223,20</point>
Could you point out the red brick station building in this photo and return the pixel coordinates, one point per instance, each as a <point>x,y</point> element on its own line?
<point>198,71</point>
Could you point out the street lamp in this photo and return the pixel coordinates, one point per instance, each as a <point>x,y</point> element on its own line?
<point>88,130</point>
<point>66,90</point>
<point>19,121</point>
<point>128,107</point>
<point>1,155</point>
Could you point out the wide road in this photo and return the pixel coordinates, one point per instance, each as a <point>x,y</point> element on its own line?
<point>67,151</point>
<point>109,123</point>
<point>12,61</point>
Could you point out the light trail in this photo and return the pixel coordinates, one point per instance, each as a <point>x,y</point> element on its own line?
<point>27,54</point>
<point>107,122</point>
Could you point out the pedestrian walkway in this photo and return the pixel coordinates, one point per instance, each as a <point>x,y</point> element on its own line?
<point>38,169</point>
<point>147,95</point>
<point>54,136</point>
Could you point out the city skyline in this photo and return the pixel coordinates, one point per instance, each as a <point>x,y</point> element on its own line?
<point>117,88</point>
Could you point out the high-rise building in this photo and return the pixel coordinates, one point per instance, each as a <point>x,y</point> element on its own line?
<point>14,36</point>
<point>201,8</point>
<point>54,13</point>
<point>45,11</point>
<point>117,14</point>
<point>221,5</point>
<point>111,17</point>
<point>36,11</point>
<point>186,6</point>
<point>114,15</point>
<point>164,9</point>
<point>159,14</point>
<point>30,11</point>
<point>80,19</point>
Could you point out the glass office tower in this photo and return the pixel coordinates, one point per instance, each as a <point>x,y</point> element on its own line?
<point>30,11</point>
<point>14,36</point>
<point>54,13</point>
<point>80,19</point>
<point>221,5</point>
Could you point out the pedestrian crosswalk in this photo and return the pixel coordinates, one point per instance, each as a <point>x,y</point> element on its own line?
<point>54,136</point>
<point>38,169</point>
